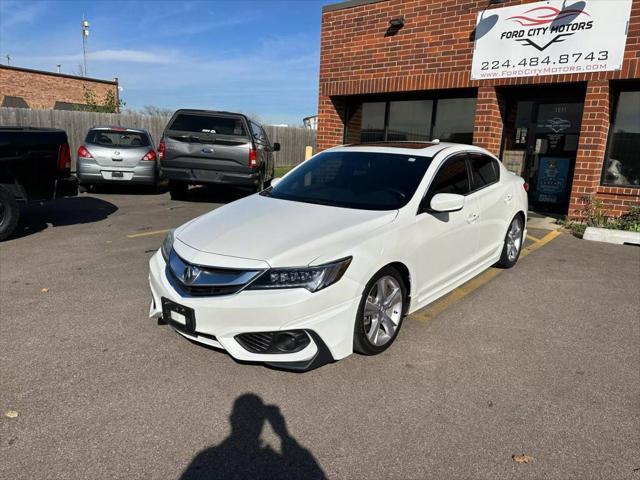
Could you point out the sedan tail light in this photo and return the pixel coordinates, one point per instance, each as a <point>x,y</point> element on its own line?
<point>83,152</point>
<point>64,157</point>
<point>161,150</point>
<point>253,158</point>
<point>525,185</point>
<point>150,156</point>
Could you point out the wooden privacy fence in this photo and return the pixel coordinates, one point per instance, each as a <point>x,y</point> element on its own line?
<point>293,140</point>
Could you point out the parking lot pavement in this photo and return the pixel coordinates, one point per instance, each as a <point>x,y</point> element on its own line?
<point>542,360</point>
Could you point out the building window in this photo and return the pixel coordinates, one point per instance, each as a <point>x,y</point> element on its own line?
<point>448,119</point>
<point>454,120</point>
<point>410,120</point>
<point>373,121</point>
<point>15,102</point>
<point>622,164</point>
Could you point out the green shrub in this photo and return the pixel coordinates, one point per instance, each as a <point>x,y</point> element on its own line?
<point>594,214</point>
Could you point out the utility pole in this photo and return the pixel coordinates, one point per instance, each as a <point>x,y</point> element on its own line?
<point>85,34</point>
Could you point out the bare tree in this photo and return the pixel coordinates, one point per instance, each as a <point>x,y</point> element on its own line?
<point>79,71</point>
<point>155,111</point>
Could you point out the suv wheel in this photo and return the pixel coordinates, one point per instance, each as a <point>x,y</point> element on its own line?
<point>178,190</point>
<point>9,213</point>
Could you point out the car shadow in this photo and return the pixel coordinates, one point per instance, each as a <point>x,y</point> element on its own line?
<point>119,189</point>
<point>242,455</point>
<point>36,217</point>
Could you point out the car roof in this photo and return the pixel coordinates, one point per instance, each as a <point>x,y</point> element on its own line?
<point>426,149</point>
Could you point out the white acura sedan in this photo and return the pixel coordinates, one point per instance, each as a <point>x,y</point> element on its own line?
<point>330,259</point>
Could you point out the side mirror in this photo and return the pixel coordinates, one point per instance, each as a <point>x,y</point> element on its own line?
<point>447,202</point>
<point>276,147</point>
<point>275,181</point>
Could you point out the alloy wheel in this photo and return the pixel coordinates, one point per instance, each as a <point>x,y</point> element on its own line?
<point>383,310</point>
<point>514,239</point>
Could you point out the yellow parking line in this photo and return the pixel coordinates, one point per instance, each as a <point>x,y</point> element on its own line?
<point>436,308</point>
<point>531,237</point>
<point>146,234</point>
<point>540,243</point>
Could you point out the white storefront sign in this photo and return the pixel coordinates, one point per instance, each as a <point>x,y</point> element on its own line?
<point>550,38</point>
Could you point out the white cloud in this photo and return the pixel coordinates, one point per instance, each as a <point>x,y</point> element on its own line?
<point>133,56</point>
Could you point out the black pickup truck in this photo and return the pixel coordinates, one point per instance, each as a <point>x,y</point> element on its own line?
<point>35,165</point>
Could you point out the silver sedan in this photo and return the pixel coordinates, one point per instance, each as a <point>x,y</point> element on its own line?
<point>117,155</point>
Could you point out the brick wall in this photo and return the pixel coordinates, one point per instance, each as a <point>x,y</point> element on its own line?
<point>42,89</point>
<point>434,50</point>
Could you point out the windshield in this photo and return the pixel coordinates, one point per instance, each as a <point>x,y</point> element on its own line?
<point>118,138</point>
<point>362,180</point>
<point>209,124</point>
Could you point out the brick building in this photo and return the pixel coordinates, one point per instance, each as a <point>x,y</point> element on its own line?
<point>565,115</point>
<point>26,88</point>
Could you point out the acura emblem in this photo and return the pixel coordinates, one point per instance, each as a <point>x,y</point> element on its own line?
<point>116,152</point>
<point>191,274</point>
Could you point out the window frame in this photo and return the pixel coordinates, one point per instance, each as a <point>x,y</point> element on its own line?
<point>496,168</point>
<point>434,96</point>
<point>613,112</point>
<point>422,208</point>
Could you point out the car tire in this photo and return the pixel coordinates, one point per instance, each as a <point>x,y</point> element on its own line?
<point>378,323</point>
<point>513,242</point>
<point>9,213</point>
<point>178,190</point>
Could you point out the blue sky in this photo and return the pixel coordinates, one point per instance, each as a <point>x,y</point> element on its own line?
<point>255,56</point>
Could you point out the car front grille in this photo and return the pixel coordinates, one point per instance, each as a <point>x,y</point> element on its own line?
<point>202,281</point>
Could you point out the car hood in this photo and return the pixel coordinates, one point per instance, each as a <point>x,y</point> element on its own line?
<point>281,232</point>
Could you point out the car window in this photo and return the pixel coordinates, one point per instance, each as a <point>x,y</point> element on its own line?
<point>484,171</point>
<point>209,124</point>
<point>353,179</point>
<point>117,138</point>
<point>451,178</point>
<point>257,132</point>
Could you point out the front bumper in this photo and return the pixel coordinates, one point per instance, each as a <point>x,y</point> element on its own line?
<point>327,316</point>
<point>89,172</point>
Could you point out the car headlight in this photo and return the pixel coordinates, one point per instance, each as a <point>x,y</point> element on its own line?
<point>167,244</point>
<point>311,278</point>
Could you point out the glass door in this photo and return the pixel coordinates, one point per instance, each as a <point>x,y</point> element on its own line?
<point>540,144</point>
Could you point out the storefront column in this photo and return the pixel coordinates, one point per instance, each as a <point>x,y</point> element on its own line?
<point>331,112</point>
<point>487,130</point>
<point>592,145</point>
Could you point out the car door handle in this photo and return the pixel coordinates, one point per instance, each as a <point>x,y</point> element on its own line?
<point>508,197</point>
<point>207,150</point>
<point>473,217</point>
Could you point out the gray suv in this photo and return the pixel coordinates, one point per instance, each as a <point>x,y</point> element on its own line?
<point>207,147</point>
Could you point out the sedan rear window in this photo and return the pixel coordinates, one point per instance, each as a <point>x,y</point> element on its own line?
<point>361,180</point>
<point>208,124</point>
<point>118,138</point>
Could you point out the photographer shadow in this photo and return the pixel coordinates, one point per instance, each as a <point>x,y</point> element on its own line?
<point>242,454</point>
